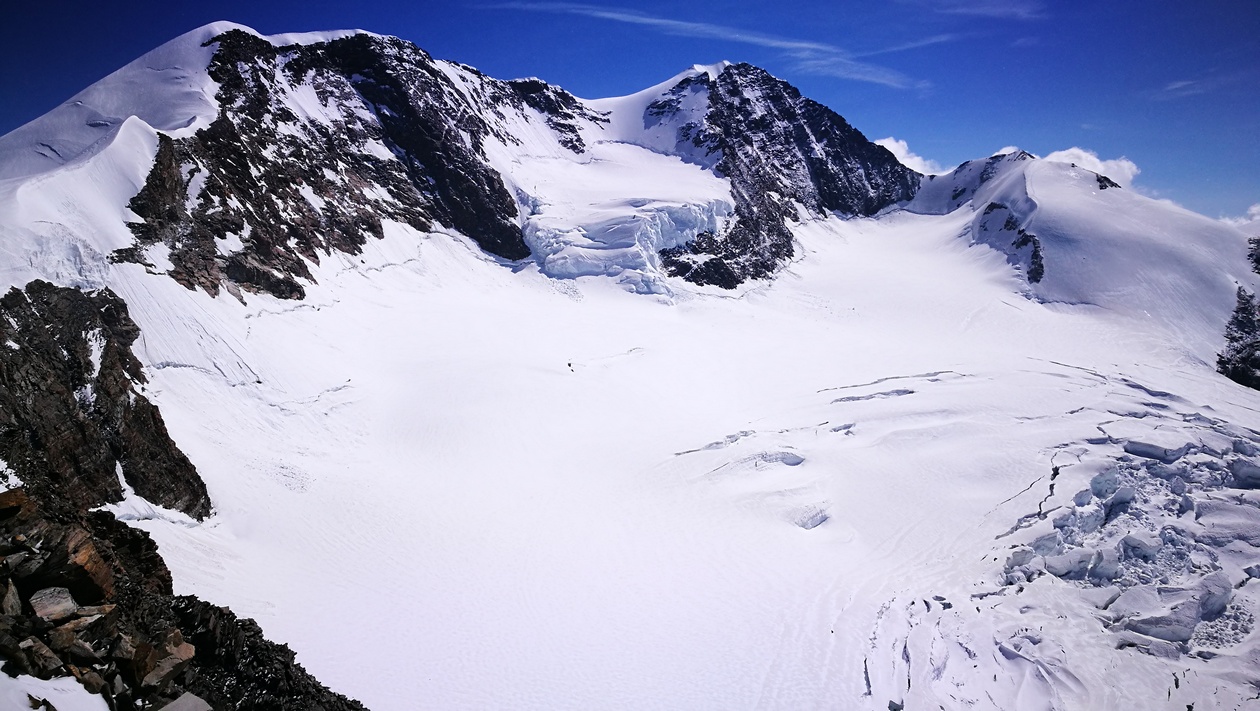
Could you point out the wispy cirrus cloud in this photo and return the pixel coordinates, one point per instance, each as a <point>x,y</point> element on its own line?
<point>1204,84</point>
<point>1183,88</point>
<point>1008,9</point>
<point>811,57</point>
<point>915,44</point>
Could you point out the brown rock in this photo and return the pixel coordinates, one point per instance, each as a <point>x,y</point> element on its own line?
<point>12,561</point>
<point>65,639</point>
<point>173,655</point>
<point>188,702</point>
<point>93,682</point>
<point>53,604</point>
<point>12,604</point>
<point>44,659</point>
<point>60,639</point>
<point>77,625</point>
<point>95,610</point>
<point>124,649</point>
<point>12,651</point>
<point>82,552</point>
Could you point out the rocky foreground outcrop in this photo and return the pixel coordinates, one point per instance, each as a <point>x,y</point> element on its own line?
<point>82,594</point>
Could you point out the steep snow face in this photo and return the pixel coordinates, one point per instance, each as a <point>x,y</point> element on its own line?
<point>668,118</point>
<point>61,225</point>
<point>168,89</point>
<point>1080,240</point>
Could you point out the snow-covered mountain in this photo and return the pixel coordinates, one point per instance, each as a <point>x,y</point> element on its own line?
<point>482,395</point>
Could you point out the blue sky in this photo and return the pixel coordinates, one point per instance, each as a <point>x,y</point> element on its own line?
<point>1174,87</point>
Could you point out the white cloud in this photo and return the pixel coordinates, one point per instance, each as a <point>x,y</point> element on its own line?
<point>1122,170</point>
<point>1006,150</point>
<point>909,158</point>
<point>1249,223</point>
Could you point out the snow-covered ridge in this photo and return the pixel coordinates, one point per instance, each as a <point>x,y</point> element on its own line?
<point>167,88</point>
<point>1080,240</point>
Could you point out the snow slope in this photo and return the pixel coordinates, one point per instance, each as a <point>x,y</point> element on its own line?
<point>542,494</point>
<point>451,482</point>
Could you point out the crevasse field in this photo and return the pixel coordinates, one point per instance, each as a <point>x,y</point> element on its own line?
<point>450,482</point>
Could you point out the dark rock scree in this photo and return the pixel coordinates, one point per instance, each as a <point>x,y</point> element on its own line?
<point>82,594</point>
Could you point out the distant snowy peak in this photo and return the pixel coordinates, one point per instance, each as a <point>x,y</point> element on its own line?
<point>971,181</point>
<point>780,151</point>
<point>265,155</point>
<point>1076,237</point>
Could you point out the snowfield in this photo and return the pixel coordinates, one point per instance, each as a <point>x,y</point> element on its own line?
<point>555,494</point>
<point>452,482</point>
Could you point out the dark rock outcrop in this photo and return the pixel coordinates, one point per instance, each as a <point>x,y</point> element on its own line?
<point>261,193</point>
<point>564,113</point>
<point>778,149</point>
<point>93,601</point>
<point>1001,228</point>
<point>82,594</point>
<point>1104,182</point>
<point>72,411</point>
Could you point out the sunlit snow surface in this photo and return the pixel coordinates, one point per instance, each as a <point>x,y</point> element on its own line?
<point>531,493</point>
<point>453,483</point>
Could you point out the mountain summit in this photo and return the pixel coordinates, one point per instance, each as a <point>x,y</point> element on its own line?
<point>480,394</point>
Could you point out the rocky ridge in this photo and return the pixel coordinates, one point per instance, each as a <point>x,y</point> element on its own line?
<point>779,150</point>
<point>253,198</point>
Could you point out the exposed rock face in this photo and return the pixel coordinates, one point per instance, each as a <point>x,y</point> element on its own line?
<point>262,192</point>
<point>82,594</point>
<point>72,414</point>
<point>1001,228</point>
<point>564,113</point>
<point>778,149</point>
<point>237,668</point>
